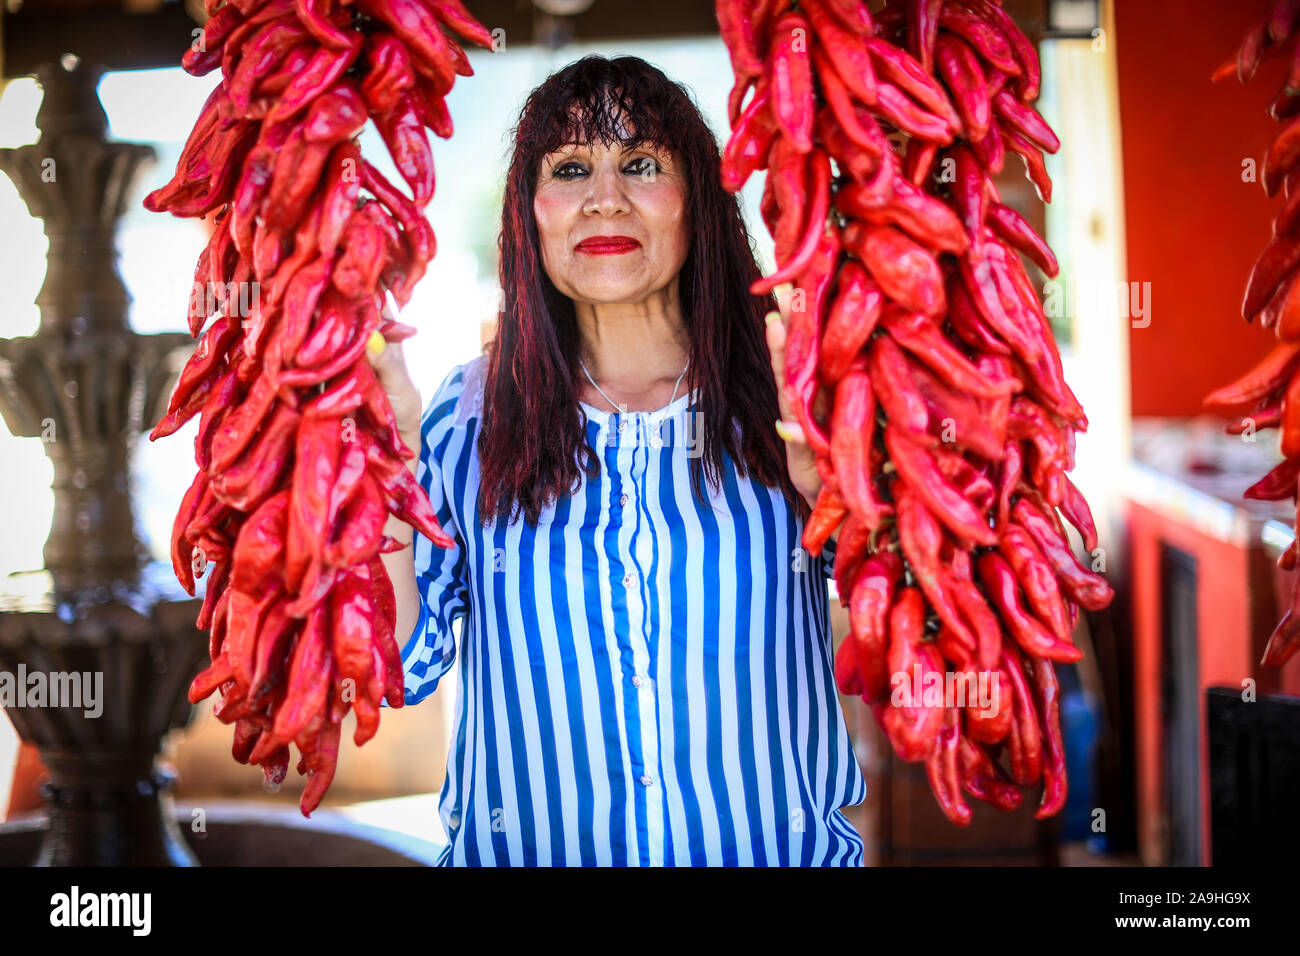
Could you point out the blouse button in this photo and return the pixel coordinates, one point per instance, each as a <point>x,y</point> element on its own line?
<point>636,681</point>
<point>622,426</point>
<point>646,780</point>
<point>628,579</point>
<point>622,500</point>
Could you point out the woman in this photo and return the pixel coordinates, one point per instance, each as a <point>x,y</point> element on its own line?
<point>645,670</point>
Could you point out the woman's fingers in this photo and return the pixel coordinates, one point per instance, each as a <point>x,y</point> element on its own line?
<point>776,346</point>
<point>791,432</point>
<point>390,368</point>
<point>777,324</point>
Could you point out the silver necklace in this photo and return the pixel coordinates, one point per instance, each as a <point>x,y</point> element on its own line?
<point>617,407</point>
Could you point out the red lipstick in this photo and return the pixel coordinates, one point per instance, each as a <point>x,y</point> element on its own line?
<point>607,245</point>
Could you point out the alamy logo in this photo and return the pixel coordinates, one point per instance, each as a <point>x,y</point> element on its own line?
<point>76,689</point>
<point>75,908</point>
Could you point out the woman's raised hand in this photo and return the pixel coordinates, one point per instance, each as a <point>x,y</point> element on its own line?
<point>390,368</point>
<point>799,457</point>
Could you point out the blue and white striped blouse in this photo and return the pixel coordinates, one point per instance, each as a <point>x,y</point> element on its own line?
<point>643,680</point>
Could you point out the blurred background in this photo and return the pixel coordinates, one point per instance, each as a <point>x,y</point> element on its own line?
<point>1156,229</point>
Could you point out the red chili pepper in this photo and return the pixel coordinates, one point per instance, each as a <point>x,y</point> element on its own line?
<point>1075,508</point>
<point>853,317</point>
<point>259,57</point>
<point>390,72</point>
<point>906,271</point>
<point>892,375</point>
<point>320,24</point>
<point>845,54</point>
<point>1047,692</point>
<point>826,516</point>
<point>922,217</point>
<point>1084,587</point>
<point>1266,378</point>
<point>248,618</point>
<point>1290,427</point>
<point>402,130</point>
<point>1284,642</point>
<point>320,74</point>
<point>255,476</point>
<point>858,128</point>
<point>910,77</point>
<point>973,482</point>
<point>958,655</point>
<point>961,72</point>
<point>851,548</point>
<point>1024,742</point>
<point>917,466</point>
<point>991,44</point>
<point>1278,485</point>
<point>982,780</point>
<point>1003,315</point>
<point>923,338</point>
<point>260,546</point>
<point>788,178</point>
<point>1002,586</point>
<point>923,30</point>
<point>1026,122</point>
<point>360,527</point>
<point>990,151</point>
<point>872,597</point>
<point>957,419</point>
<point>1035,168</point>
<point>273,641</point>
<point>864,167</point>
<point>751,140</point>
<point>308,685</point>
<point>912,726</point>
<point>918,161</point>
<point>405,498</point>
<point>216,590</point>
<point>1029,423</point>
<point>853,429</point>
<point>1037,578</point>
<point>801,384</point>
<point>848,679</point>
<point>904,114</point>
<point>850,13</point>
<point>1013,228</point>
<point>789,75</point>
<point>968,324</point>
<point>736,23</point>
<point>815,231</point>
<point>989,725</point>
<point>942,769</point>
<point>922,541</point>
<point>205,56</point>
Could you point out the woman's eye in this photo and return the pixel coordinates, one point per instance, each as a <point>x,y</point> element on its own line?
<point>643,166</point>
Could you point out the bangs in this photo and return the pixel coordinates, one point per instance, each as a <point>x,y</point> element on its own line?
<point>607,105</point>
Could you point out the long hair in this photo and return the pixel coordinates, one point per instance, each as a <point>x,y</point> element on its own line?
<point>532,432</point>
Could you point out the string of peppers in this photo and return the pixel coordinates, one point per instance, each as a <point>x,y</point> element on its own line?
<point>950,427</point>
<point>299,457</point>
<point>1272,388</point>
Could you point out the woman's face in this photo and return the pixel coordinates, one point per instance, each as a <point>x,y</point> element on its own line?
<point>612,221</point>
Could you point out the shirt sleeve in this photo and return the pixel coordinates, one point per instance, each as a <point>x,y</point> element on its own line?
<point>440,573</point>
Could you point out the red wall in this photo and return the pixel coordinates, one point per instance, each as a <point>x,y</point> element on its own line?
<point>1193,227</point>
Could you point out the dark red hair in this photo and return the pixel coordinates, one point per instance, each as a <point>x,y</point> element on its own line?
<point>533,430</point>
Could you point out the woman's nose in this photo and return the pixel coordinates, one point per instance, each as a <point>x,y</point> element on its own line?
<point>607,196</point>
